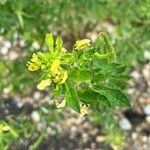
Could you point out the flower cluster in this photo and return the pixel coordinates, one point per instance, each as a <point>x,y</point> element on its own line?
<point>56,74</point>
<point>54,67</point>
<point>70,74</point>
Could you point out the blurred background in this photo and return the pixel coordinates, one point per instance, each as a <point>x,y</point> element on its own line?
<point>28,118</point>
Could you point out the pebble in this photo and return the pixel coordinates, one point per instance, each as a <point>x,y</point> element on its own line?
<point>148,119</point>
<point>7,44</point>
<point>35,45</point>
<point>125,124</point>
<point>92,36</point>
<point>4,50</point>
<point>144,138</point>
<point>143,100</point>
<point>36,95</point>
<point>138,129</point>
<point>93,145</point>
<point>145,147</point>
<point>7,90</point>
<point>94,131</point>
<point>18,101</point>
<point>134,135</point>
<point>100,138</point>
<point>28,100</point>
<point>35,116</point>
<point>135,74</point>
<point>147,109</point>
<point>73,129</point>
<point>48,100</point>
<point>15,35</point>
<point>146,71</point>
<point>13,55</point>
<point>85,137</point>
<point>110,28</point>
<point>22,43</point>
<point>130,91</point>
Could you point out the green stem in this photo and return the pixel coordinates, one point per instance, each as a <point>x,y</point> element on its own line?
<point>102,56</point>
<point>109,45</point>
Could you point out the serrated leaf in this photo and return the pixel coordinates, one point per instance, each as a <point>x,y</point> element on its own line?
<point>116,83</point>
<point>80,75</point>
<point>72,98</point>
<point>50,41</point>
<point>116,97</point>
<point>113,68</point>
<point>103,99</point>
<point>89,96</point>
<point>59,43</point>
<point>100,77</point>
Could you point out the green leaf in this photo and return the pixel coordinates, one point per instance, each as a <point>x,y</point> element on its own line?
<point>89,96</point>
<point>112,69</point>
<point>116,97</point>
<point>50,41</point>
<point>105,100</point>
<point>79,75</point>
<point>59,43</point>
<point>115,83</point>
<point>100,77</point>
<point>118,81</point>
<point>57,91</point>
<point>72,98</point>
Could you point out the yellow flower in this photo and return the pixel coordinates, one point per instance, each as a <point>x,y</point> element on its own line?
<point>57,79</point>
<point>43,84</point>
<point>55,67</point>
<point>82,44</point>
<point>63,77</point>
<point>84,110</point>
<point>59,75</point>
<point>34,64</point>
<point>34,58</point>
<point>60,104</point>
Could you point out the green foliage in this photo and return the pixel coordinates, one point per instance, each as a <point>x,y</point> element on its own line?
<point>81,76</point>
<point>72,98</point>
